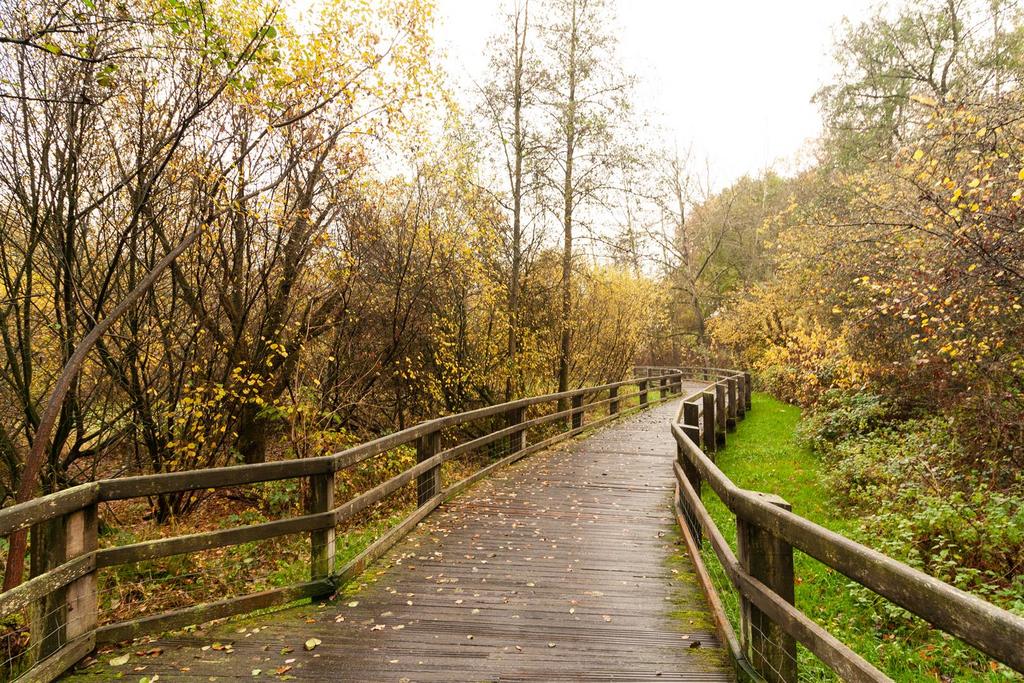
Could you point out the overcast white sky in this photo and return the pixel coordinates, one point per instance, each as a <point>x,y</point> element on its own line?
<point>732,77</point>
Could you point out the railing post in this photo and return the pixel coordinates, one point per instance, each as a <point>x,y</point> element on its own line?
<point>577,411</point>
<point>691,427</point>
<point>741,401</point>
<point>721,413</point>
<point>710,441</point>
<point>747,391</point>
<point>428,484</point>
<point>731,414</point>
<point>663,387</point>
<point>691,421</point>
<point>769,559</point>
<point>321,541</point>
<point>48,614</point>
<point>81,534</point>
<point>643,392</point>
<point>613,404</point>
<point>517,439</point>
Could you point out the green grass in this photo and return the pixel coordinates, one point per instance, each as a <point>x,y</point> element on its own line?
<point>762,455</point>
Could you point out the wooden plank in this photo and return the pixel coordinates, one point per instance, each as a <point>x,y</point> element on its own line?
<point>21,596</point>
<point>214,477</point>
<point>199,614</point>
<point>769,559</point>
<point>47,507</point>
<point>82,609</point>
<point>191,543</point>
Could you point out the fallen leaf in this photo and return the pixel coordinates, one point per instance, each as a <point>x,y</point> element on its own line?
<point>312,643</point>
<point>120,661</point>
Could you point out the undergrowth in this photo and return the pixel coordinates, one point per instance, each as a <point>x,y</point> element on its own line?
<point>879,484</point>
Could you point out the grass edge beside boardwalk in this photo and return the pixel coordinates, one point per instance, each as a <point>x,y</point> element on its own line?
<point>764,455</point>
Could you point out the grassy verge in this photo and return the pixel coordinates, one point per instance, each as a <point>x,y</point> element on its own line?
<point>762,455</point>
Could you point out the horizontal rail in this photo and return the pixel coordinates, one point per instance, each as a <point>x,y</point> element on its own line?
<point>843,660</point>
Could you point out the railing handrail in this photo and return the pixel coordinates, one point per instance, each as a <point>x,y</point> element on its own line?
<point>53,505</point>
<point>72,569</point>
<point>994,631</point>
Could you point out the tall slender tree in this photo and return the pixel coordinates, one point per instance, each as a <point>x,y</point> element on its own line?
<point>586,95</point>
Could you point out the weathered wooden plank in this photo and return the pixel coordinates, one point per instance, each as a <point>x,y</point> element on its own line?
<point>168,621</point>
<point>769,559</point>
<point>191,543</point>
<point>214,477</point>
<point>47,507</point>
<point>21,596</point>
<point>81,531</point>
<point>321,541</point>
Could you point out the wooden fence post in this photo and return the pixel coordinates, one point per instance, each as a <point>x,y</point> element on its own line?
<point>613,405</point>
<point>720,413</point>
<point>577,411</point>
<point>691,421</point>
<point>731,413</point>
<point>747,391</point>
<point>48,615</point>
<point>710,440</point>
<point>428,484</point>
<point>741,401</point>
<point>517,439</point>
<point>691,427</point>
<point>663,387</point>
<point>769,649</point>
<point>321,541</point>
<point>643,392</point>
<point>81,536</point>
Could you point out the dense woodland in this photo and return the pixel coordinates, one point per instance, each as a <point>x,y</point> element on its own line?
<point>238,232</point>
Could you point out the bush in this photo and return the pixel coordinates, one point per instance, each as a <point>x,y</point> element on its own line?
<point>842,415</point>
<point>919,503</point>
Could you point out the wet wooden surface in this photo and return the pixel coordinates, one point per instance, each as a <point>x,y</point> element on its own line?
<point>565,566</point>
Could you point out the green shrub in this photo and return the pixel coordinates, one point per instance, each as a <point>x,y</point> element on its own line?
<point>841,415</point>
<point>919,504</point>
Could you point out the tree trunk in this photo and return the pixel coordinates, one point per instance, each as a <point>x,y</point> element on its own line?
<point>567,199</point>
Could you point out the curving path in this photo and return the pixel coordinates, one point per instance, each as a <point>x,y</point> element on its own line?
<point>565,566</point>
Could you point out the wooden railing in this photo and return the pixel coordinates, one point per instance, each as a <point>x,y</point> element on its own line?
<point>66,555</point>
<point>761,569</point>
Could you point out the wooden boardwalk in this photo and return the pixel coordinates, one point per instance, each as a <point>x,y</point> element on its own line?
<point>565,566</point>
